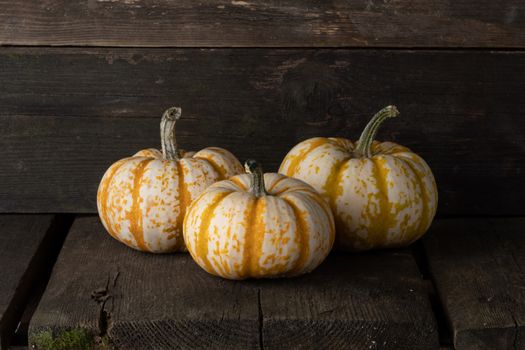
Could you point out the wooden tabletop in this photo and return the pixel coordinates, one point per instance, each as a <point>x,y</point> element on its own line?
<point>462,286</point>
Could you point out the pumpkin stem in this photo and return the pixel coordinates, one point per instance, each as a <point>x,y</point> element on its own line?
<point>257,185</point>
<point>364,145</point>
<point>167,133</point>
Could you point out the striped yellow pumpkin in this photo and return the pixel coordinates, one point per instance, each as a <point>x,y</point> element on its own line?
<point>142,199</point>
<point>382,194</point>
<point>259,226</point>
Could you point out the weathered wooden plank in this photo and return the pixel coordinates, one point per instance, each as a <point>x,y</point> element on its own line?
<point>165,301</point>
<point>362,301</point>
<point>478,266</point>
<point>102,291</point>
<point>67,114</point>
<point>256,23</point>
<point>45,260</point>
<point>22,241</point>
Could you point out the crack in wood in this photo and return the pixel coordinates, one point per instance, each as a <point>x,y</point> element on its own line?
<point>443,324</point>
<point>496,233</point>
<point>171,307</point>
<point>101,296</point>
<point>261,320</point>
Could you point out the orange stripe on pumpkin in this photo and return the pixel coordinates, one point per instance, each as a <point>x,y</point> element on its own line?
<point>249,237</point>
<point>237,181</point>
<point>302,237</point>
<point>296,159</point>
<point>257,238</point>
<point>378,226</point>
<point>135,214</point>
<point>201,248</point>
<point>179,240</point>
<point>220,169</point>
<point>344,144</point>
<point>272,187</point>
<point>184,196</point>
<point>332,187</point>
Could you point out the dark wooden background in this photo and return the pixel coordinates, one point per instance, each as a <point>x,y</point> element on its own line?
<point>257,77</point>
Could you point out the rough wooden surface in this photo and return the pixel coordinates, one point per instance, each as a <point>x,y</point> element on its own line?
<point>141,301</point>
<point>165,301</point>
<point>67,114</point>
<point>21,240</point>
<point>353,301</point>
<point>256,23</point>
<point>478,266</point>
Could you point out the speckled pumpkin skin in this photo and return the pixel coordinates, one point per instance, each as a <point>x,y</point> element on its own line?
<point>233,234</point>
<point>387,200</point>
<point>142,199</point>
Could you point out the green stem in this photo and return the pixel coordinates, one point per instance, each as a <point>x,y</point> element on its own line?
<point>364,145</point>
<point>257,184</point>
<point>167,133</point>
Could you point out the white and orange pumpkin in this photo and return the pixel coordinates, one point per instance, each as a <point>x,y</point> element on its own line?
<point>142,199</point>
<point>259,226</point>
<point>381,193</point>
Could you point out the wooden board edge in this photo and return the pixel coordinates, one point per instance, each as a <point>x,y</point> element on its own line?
<point>34,275</point>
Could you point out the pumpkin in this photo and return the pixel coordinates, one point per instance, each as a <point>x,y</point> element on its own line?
<point>381,193</point>
<point>259,226</point>
<point>142,199</point>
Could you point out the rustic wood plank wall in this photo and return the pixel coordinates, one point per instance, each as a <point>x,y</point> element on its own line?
<point>67,114</point>
<point>257,23</point>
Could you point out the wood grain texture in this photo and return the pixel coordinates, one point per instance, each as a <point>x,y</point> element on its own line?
<point>21,243</point>
<point>478,266</point>
<point>258,23</point>
<point>102,288</point>
<point>67,114</point>
<point>352,301</point>
<point>166,301</point>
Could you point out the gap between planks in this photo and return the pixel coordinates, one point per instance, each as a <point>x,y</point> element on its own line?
<point>478,267</point>
<point>33,283</point>
<point>408,49</point>
<point>362,300</point>
<point>421,258</point>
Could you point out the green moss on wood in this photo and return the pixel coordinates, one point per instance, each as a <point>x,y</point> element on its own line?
<point>74,339</point>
